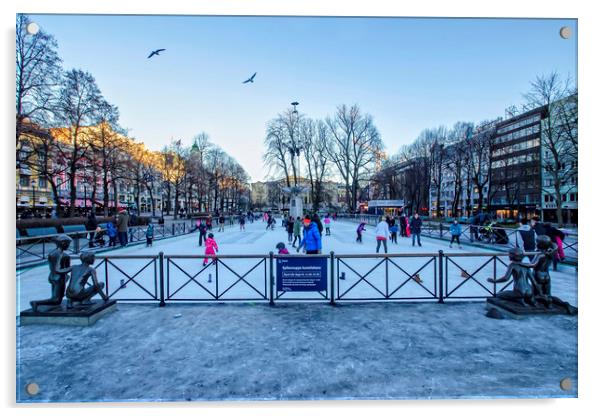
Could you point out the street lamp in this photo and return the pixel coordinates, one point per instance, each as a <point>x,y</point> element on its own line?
<point>85,198</point>
<point>33,202</point>
<point>294,148</point>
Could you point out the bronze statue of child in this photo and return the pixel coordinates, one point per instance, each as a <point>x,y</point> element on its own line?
<point>77,290</point>
<point>541,263</point>
<point>59,264</point>
<point>521,273</point>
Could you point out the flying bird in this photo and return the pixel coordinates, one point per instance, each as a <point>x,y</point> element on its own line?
<point>250,79</point>
<point>155,53</point>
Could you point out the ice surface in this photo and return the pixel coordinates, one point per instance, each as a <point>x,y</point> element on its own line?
<point>226,279</point>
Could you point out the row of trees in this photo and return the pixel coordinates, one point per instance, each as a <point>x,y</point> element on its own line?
<point>466,153</point>
<point>67,132</point>
<point>346,145</point>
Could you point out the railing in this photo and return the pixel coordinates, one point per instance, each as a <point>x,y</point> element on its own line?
<point>222,278</point>
<point>32,251</point>
<point>393,276</point>
<point>424,277</point>
<point>131,278</point>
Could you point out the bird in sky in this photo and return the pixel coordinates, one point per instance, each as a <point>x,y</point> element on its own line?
<point>250,79</point>
<point>156,52</point>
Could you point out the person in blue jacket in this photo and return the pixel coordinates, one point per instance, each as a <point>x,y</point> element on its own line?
<point>112,233</point>
<point>455,230</point>
<point>312,241</point>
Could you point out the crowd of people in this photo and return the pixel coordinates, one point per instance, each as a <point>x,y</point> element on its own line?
<point>116,230</point>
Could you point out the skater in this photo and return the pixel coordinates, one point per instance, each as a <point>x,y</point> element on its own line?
<point>393,230</point>
<point>557,237</point>
<point>241,222</point>
<point>202,233</point>
<point>416,229</point>
<point>91,225</point>
<point>210,249</point>
<point>290,226</point>
<point>360,229</point>
<point>455,230</point>
<point>282,248</point>
<point>122,227</point>
<point>297,230</point>
<point>312,240</point>
<point>316,219</point>
<point>112,233</point>
<point>150,233</point>
<point>526,237</point>
<point>221,221</point>
<point>327,224</point>
<point>269,221</point>
<point>403,223</point>
<point>382,234</point>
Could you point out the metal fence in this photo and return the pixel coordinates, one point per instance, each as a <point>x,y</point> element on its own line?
<point>419,277</point>
<point>32,251</point>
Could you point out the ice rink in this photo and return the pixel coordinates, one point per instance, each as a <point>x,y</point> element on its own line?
<point>465,277</point>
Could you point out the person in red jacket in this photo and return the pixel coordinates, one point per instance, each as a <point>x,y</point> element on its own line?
<point>210,248</point>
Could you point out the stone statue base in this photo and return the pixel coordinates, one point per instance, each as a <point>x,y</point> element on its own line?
<point>79,315</point>
<point>296,207</point>
<point>502,308</point>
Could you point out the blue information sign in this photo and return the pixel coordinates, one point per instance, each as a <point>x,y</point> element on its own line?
<point>301,274</point>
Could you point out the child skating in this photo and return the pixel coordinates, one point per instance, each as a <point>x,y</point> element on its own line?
<point>211,248</point>
<point>150,233</point>
<point>327,222</point>
<point>360,229</point>
<point>456,230</point>
<point>282,248</point>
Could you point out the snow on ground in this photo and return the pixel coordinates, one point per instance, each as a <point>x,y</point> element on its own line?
<point>251,351</point>
<point>298,351</point>
<point>256,240</point>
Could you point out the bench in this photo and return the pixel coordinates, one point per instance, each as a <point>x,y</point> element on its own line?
<point>74,228</point>
<point>40,231</point>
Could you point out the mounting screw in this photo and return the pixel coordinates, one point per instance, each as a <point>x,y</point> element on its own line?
<point>32,28</point>
<point>32,389</point>
<point>566,384</point>
<point>565,32</point>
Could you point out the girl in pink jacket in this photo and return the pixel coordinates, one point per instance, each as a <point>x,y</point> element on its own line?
<point>210,248</point>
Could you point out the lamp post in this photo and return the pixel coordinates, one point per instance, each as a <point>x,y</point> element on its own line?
<point>294,148</point>
<point>85,198</point>
<point>33,202</point>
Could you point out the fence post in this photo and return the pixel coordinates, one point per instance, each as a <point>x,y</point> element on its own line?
<point>173,228</point>
<point>161,280</point>
<point>271,278</point>
<point>440,276</point>
<point>76,243</point>
<point>332,278</point>
<point>440,230</point>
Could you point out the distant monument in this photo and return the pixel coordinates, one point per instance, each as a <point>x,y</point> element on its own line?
<point>296,193</point>
<point>531,292</point>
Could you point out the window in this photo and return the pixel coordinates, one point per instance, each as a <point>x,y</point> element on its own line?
<point>42,183</point>
<point>24,180</point>
<point>572,197</point>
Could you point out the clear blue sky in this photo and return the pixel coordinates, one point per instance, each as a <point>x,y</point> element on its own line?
<point>408,73</point>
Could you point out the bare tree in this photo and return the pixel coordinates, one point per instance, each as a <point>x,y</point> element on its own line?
<point>38,72</point>
<point>277,155</point>
<point>355,147</point>
<point>558,134</point>
<point>77,106</point>
<point>314,142</point>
